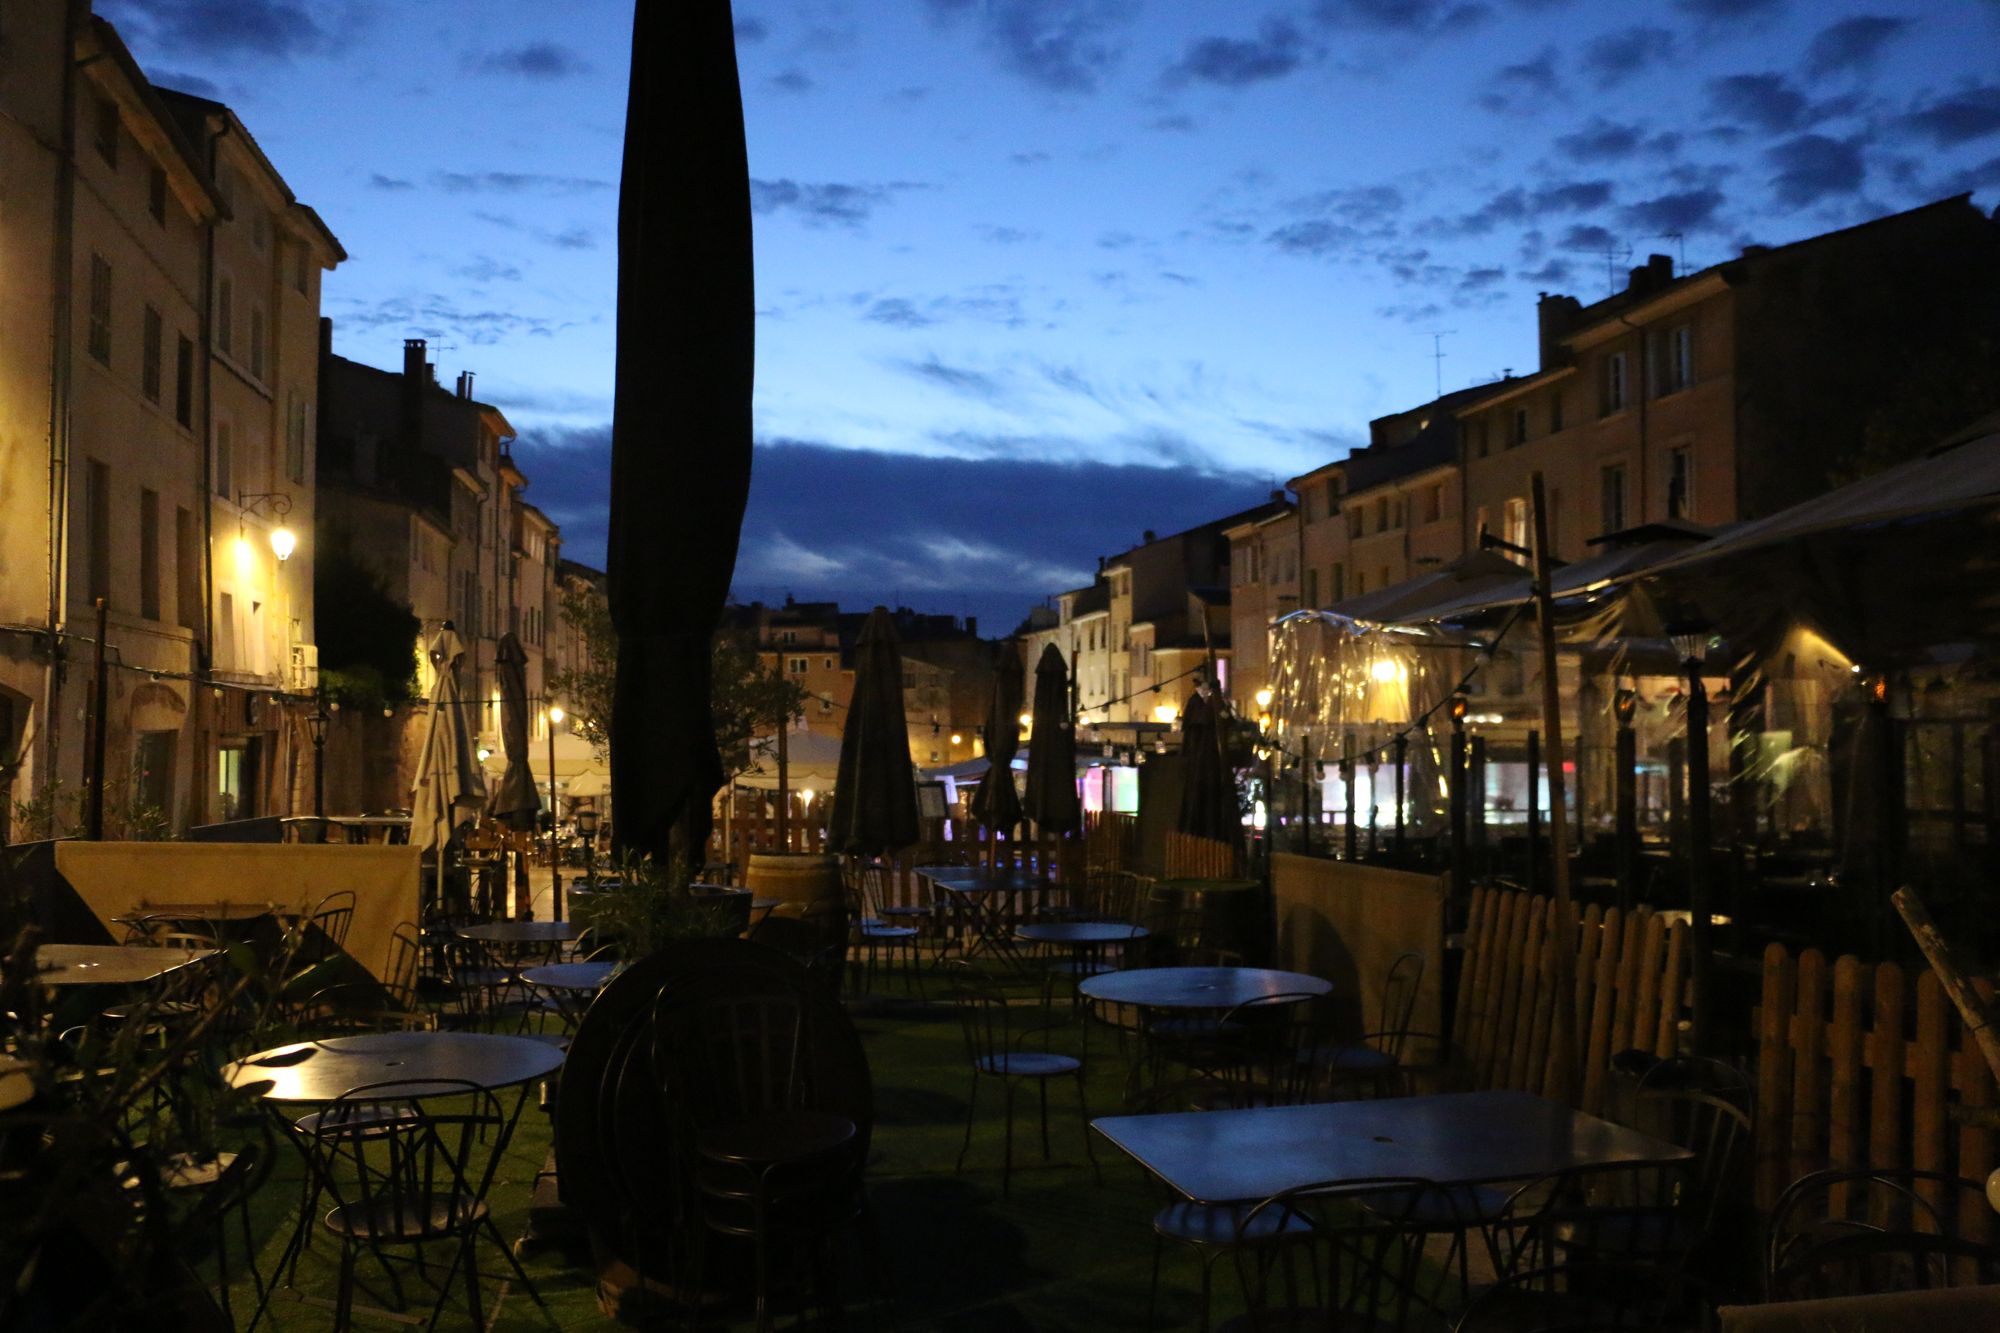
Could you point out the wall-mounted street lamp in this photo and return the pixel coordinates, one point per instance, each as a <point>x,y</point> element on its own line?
<point>555,715</point>
<point>317,722</point>
<point>283,540</point>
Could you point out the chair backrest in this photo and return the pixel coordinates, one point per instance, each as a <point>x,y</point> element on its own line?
<point>1850,1232</point>
<point>1715,1130</point>
<point>419,1181</point>
<point>406,951</point>
<point>1353,1252</point>
<point>1399,1001</point>
<point>1701,1073</point>
<point>1277,1038</point>
<point>334,916</point>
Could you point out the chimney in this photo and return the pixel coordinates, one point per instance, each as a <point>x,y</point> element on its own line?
<point>1555,316</point>
<point>972,627</point>
<point>1148,536</point>
<point>325,338</point>
<point>465,384</point>
<point>1655,273</point>
<point>415,367</point>
<point>415,373</point>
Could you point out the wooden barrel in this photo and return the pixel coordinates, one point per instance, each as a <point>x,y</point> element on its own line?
<point>1230,914</point>
<point>802,882</point>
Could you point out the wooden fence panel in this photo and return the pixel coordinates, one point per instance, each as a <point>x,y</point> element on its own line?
<point>1863,1072</point>
<point>1627,991</point>
<point>1191,857</point>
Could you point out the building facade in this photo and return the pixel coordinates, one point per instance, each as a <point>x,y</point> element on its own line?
<point>158,379</point>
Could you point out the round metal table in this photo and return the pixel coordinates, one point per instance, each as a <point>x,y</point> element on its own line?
<point>324,1071</point>
<point>522,932</point>
<point>569,976</point>
<point>1084,933</point>
<point>1199,987</point>
<point>110,964</point>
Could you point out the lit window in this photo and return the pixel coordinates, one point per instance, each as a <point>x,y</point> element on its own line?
<point>1614,382</point>
<point>100,308</point>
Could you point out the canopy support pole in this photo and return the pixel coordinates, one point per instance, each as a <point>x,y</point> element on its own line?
<point>1562,1053</point>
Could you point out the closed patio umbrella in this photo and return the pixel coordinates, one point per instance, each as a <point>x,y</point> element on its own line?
<point>514,800</point>
<point>1208,800</point>
<point>875,795</point>
<point>680,439</point>
<point>449,788</point>
<point>1051,800</point>
<point>995,804</point>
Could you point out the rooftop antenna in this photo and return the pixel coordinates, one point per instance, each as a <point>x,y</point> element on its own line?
<point>1614,255</point>
<point>1680,249</point>
<point>1437,337</point>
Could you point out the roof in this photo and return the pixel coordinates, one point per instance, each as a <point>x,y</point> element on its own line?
<point>1479,574</point>
<point>158,104</point>
<point>1434,445</point>
<point>193,113</point>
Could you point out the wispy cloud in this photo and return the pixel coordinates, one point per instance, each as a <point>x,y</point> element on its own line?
<point>542,60</point>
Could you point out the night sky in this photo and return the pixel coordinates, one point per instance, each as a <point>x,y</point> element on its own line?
<point>1036,275</point>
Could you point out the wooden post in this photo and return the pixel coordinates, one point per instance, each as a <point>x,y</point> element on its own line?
<point>1461,873</point>
<point>1627,777</point>
<point>1475,799</point>
<point>1977,1012</point>
<point>1402,759</point>
<point>1563,927</point>
<point>1701,891</point>
<point>784,785</point>
<point>1534,807</point>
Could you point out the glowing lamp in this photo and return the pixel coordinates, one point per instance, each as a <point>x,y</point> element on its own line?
<point>283,542</point>
<point>556,714</point>
<point>1165,713</point>
<point>1264,697</point>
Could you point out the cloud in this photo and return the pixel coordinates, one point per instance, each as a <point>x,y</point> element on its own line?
<point>1617,56</point>
<point>1767,101</point>
<point>575,237</point>
<point>1587,236</point>
<point>515,182</point>
<point>441,318</point>
<point>1602,140</point>
<point>958,379</point>
<point>1553,273</point>
<point>898,312</point>
<point>1417,18</point>
<point>485,268</point>
<point>1851,44</point>
<point>1005,235</point>
<point>1034,158</point>
<point>536,60</point>
<point>1730,11</point>
<point>1985,176</point>
<point>1525,88</point>
<point>377,181</point>
<point>1679,212</point>
<point>1810,167</point>
<point>269,29</point>
<point>793,81</point>
<point>1335,220</point>
<point>751,30</point>
<point>1235,62</point>
<point>1175,123</point>
<point>1063,46</point>
<point>1959,118</point>
<point>823,203</point>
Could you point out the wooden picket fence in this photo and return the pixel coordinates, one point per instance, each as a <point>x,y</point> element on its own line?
<point>1191,857</point>
<point>1860,1068</point>
<point>1631,971</point>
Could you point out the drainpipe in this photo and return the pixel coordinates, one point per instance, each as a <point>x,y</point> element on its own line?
<point>1644,379</point>
<point>61,336</point>
<point>204,642</point>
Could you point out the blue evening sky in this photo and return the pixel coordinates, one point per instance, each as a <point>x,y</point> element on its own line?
<point>1037,275</point>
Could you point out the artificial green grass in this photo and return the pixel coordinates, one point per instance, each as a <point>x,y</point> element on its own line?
<point>1058,1252</point>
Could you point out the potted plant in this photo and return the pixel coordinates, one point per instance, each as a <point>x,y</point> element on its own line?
<point>651,905</point>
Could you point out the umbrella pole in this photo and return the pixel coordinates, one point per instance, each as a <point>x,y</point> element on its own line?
<point>1563,1057</point>
<point>784,787</point>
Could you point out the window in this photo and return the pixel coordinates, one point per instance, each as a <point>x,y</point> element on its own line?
<point>1354,528</point>
<point>1434,503</point>
<point>1312,588</point>
<point>1680,358</point>
<point>100,308</point>
<point>1332,496</point>
<point>184,380</point>
<point>1385,578</point>
<point>301,267</point>
<point>225,459</point>
<point>796,666</point>
<point>104,131</point>
<point>187,569</point>
<point>1611,486</point>
<point>156,194</point>
<point>97,518</point>
<point>1520,426</point>
<point>825,705</point>
<point>1555,412</point>
<point>149,554</point>
<point>788,636</point>
<point>1514,525</point>
<point>153,769</point>
<point>1614,382</point>
<point>1382,513</point>
<point>225,315</point>
<point>260,231</point>
<point>225,188</point>
<point>1479,436</point>
<point>295,436</point>
<point>1360,582</point>
<point>1680,483</point>
<point>829,664</point>
<point>257,341</point>
<point>1337,585</point>
<point>149,364</point>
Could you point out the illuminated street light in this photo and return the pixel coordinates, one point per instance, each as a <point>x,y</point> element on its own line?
<point>283,542</point>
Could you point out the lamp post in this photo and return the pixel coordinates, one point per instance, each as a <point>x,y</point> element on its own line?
<point>1461,882</point>
<point>316,724</point>
<point>1691,647</point>
<point>1626,755</point>
<point>586,828</point>
<point>555,862</point>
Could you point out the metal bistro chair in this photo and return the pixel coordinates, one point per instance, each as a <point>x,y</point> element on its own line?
<point>1847,1232</point>
<point>874,933</point>
<point>993,1046</point>
<point>422,1184</point>
<point>1368,1064</point>
<point>334,917</point>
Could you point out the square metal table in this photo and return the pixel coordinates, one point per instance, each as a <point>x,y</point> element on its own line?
<point>1462,1138</point>
<point>110,964</point>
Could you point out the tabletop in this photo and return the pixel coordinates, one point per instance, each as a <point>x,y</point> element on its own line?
<point>110,964</point>
<point>569,976</point>
<point>522,932</point>
<point>323,1071</point>
<point>979,879</point>
<point>1462,1138</point>
<point>1198,987</point>
<point>1080,932</point>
